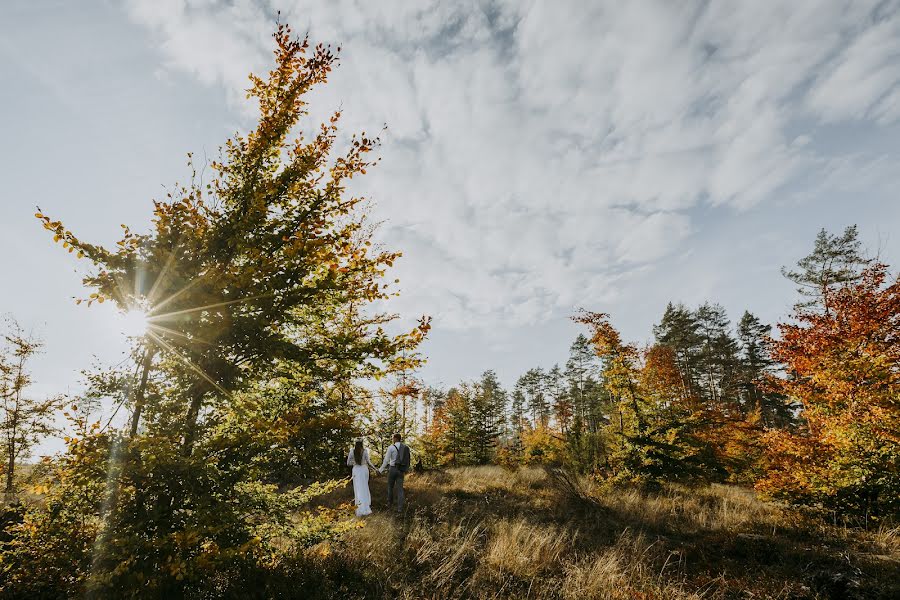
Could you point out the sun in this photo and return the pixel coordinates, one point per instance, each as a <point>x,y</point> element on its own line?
<point>134,322</point>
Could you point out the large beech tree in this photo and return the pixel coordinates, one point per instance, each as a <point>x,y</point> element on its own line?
<point>257,285</point>
<point>268,260</point>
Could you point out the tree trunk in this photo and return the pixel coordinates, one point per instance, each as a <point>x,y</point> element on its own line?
<point>139,396</point>
<point>190,431</point>
<point>10,473</point>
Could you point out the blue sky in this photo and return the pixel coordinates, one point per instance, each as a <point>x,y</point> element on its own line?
<point>539,156</point>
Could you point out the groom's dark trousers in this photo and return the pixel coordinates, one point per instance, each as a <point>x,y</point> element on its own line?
<point>395,483</point>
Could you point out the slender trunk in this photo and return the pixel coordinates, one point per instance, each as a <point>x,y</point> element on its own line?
<point>142,387</point>
<point>403,418</point>
<point>10,472</point>
<point>190,431</point>
<point>636,408</point>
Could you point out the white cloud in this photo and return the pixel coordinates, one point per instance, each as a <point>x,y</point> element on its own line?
<point>538,150</point>
<point>863,81</point>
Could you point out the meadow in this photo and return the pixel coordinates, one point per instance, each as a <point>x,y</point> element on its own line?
<point>489,532</point>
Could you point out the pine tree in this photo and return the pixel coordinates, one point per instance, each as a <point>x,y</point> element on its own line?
<point>678,329</point>
<point>532,384</point>
<point>386,420</point>
<point>517,419</point>
<point>560,401</point>
<point>459,441</point>
<point>495,397</point>
<point>836,260</point>
<point>580,366</point>
<point>717,359</point>
<point>483,428</point>
<point>756,366</point>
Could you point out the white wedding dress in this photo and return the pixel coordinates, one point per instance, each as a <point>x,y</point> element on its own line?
<point>361,495</point>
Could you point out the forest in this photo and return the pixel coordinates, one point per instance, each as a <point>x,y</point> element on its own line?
<point>725,459</point>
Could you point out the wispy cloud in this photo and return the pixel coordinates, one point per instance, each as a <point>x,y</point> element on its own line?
<point>539,151</point>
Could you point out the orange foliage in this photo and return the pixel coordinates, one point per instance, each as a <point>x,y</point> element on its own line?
<point>844,367</point>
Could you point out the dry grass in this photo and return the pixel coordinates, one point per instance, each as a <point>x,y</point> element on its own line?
<point>716,508</point>
<point>492,533</point>
<point>525,550</point>
<point>625,570</point>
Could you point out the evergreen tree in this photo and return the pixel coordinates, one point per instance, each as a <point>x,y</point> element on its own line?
<point>651,434</point>
<point>517,419</point>
<point>836,261</point>
<point>580,366</point>
<point>756,365</point>
<point>483,426</point>
<point>432,400</point>
<point>459,442</point>
<point>560,400</point>
<point>679,330</point>
<point>386,420</point>
<point>717,357</point>
<point>532,384</point>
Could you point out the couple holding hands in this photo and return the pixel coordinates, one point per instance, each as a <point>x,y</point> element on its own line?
<point>396,461</point>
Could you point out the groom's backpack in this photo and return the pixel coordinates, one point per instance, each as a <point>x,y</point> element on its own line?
<point>403,458</point>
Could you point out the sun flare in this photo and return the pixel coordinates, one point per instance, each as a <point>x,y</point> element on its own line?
<point>134,323</point>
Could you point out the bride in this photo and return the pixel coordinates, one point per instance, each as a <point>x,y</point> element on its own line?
<point>359,460</point>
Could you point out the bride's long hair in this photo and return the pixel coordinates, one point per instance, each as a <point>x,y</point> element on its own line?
<point>358,452</point>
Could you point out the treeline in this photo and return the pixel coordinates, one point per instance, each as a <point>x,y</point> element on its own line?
<point>573,412</point>
<point>808,415</point>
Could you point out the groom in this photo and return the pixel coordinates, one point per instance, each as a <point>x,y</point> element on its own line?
<point>396,459</point>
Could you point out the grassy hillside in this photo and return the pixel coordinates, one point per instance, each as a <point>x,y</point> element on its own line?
<point>490,533</point>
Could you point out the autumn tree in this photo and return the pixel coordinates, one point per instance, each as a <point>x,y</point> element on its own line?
<point>265,268</point>
<point>432,400</point>
<point>652,434</point>
<point>621,374</point>
<point>24,420</point>
<point>843,367</point>
<point>270,259</point>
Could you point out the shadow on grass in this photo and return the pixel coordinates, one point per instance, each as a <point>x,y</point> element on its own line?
<point>490,533</point>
